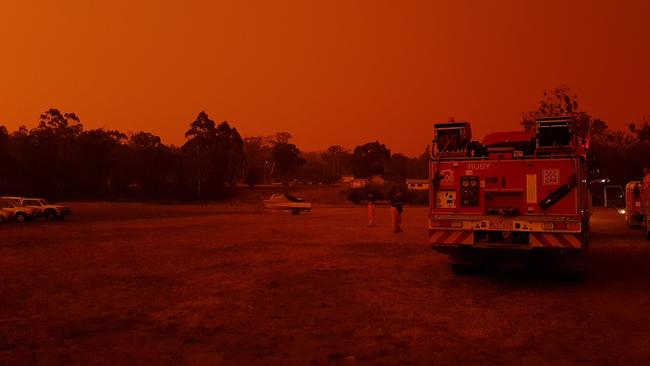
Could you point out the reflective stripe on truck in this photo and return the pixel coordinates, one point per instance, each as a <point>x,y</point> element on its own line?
<point>536,240</point>
<point>452,237</point>
<point>555,240</point>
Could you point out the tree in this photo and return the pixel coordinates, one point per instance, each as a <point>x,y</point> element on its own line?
<point>369,159</point>
<point>252,176</point>
<point>94,160</point>
<point>230,154</point>
<point>201,138</point>
<point>282,137</point>
<point>257,150</point>
<point>559,101</point>
<point>218,154</point>
<point>642,132</point>
<point>397,168</point>
<point>287,160</point>
<point>5,158</point>
<point>334,158</point>
<point>53,150</point>
<point>313,171</point>
<point>145,140</point>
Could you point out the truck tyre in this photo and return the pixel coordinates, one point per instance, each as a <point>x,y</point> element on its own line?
<point>2,220</point>
<point>20,217</point>
<point>295,211</point>
<point>50,215</point>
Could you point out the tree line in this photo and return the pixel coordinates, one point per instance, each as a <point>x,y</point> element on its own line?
<point>619,156</point>
<point>61,159</point>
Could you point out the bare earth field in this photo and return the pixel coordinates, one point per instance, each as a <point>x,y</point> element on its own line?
<point>220,284</point>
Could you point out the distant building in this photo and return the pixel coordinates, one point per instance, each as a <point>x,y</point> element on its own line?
<point>417,184</point>
<point>359,183</point>
<point>346,179</point>
<point>377,180</point>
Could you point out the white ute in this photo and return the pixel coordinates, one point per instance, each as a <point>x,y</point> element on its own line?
<point>42,207</point>
<point>287,202</point>
<point>17,212</point>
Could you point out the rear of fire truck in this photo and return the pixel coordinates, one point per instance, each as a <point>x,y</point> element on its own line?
<point>634,204</point>
<point>515,196</point>
<point>645,206</point>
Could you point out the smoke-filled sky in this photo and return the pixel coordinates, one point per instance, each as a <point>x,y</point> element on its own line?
<point>328,71</point>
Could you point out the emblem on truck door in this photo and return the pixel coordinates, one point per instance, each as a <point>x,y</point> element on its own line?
<point>446,177</point>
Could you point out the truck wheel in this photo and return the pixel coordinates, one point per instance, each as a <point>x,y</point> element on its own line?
<point>20,217</point>
<point>2,220</point>
<point>50,215</point>
<point>295,212</point>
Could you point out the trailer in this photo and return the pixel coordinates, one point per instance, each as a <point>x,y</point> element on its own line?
<point>513,196</point>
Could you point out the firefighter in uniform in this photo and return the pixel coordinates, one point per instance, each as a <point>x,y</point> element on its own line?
<point>371,209</point>
<point>396,208</point>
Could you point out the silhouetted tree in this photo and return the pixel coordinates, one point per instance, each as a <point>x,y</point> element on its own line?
<point>282,137</point>
<point>337,161</point>
<point>94,161</point>
<point>5,158</point>
<point>257,150</point>
<point>369,159</point>
<point>217,153</point>
<point>397,168</point>
<point>202,138</point>
<point>287,160</point>
<point>313,171</point>
<point>559,101</point>
<point>52,148</point>
<point>252,176</point>
<point>230,155</point>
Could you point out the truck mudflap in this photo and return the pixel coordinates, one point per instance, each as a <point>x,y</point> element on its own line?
<point>440,238</point>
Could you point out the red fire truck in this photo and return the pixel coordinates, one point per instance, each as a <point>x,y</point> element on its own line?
<point>633,204</point>
<point>514,195</point>
<point>645,204</point>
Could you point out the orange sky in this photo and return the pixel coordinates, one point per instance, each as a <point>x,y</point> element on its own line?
<point>330,72</point>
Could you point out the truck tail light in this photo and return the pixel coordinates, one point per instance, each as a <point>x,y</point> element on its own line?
<point>561,226</point>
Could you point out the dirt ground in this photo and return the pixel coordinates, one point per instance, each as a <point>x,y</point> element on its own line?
<point>219,284</point>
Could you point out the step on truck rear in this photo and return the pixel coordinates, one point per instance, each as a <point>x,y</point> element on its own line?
<point>523,191</point>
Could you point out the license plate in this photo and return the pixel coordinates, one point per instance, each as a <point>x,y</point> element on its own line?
<point>499,225</point>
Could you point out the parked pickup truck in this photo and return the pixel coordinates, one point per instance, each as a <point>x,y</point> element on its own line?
<point>17,212</point>
<point>42,207</point>
<point>5,215</point>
